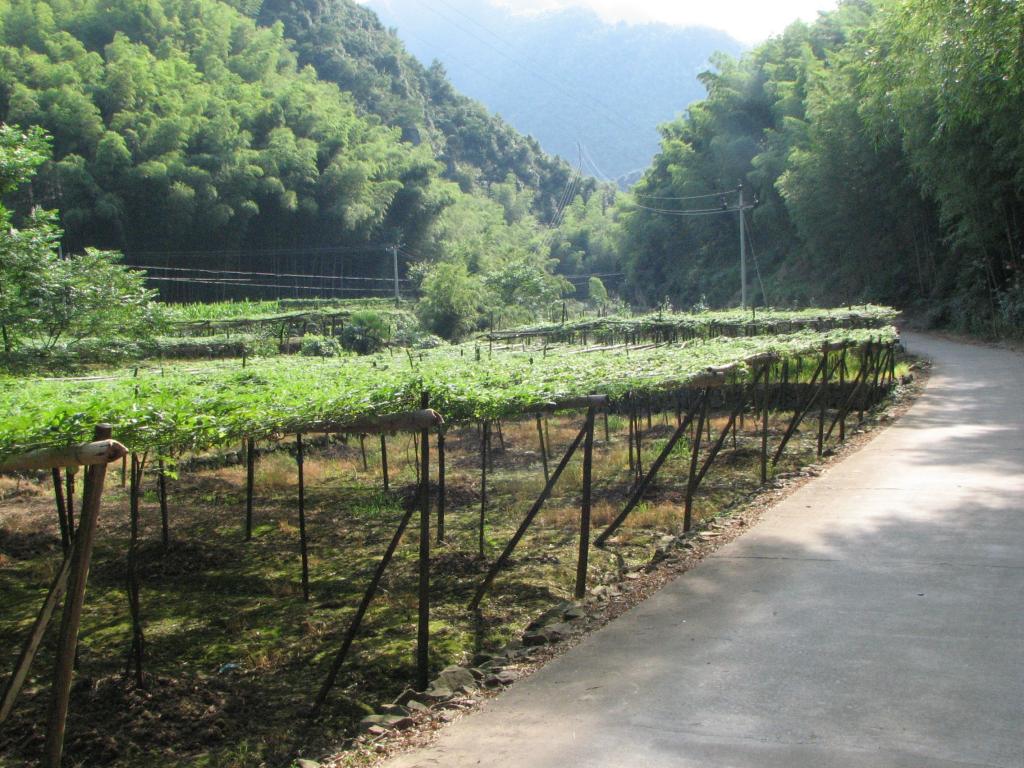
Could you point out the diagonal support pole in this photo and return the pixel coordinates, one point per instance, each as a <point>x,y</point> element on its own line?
<point>713,453</point>
<point>35,638</point>
<point>357,619</point>
<point>798,415</point>
<point>502,560</point>
<point>694,453</point>
<point>641,488</point>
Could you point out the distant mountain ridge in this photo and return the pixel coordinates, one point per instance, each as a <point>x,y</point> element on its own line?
<point>565,77</point>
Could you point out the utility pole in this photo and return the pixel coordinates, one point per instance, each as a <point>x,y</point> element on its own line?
<point>743,254</point>
<point>394,258</point>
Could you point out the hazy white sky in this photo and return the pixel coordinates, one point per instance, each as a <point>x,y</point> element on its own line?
<point>748,20</point>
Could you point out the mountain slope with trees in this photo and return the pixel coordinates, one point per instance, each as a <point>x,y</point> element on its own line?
<point>280,138</point>
<point>883,145</point>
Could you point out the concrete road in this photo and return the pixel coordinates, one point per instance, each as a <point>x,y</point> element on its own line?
<point>875,618</point>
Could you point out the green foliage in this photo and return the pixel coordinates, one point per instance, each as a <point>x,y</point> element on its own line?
<point>173,410</point>
<point>181,124</point>
<point>597,294</point>
<point>365,332</point>
<point>46,300</point>
<point>347,45</point>
<point>883,145</point>
<point>319,346</point>
<point>450,300</point>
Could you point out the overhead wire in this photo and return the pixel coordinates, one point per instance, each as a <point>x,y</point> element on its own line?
<point>688,197</point>
<point>264,274</point>
<point>693,212</point>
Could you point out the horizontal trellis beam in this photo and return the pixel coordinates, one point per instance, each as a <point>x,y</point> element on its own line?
<point>84,455</point>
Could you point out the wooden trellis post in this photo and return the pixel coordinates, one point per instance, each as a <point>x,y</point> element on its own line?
<point>300,462</point>
<point>250,483</point>
<point>423,629</point>
<point>588,463</point>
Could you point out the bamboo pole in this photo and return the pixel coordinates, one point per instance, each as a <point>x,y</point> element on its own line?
<point>441,485</point>
<point>584,549</point>
<point>98,452</point>
<point>67,641</point>
<point>764,424</point>
<point>384,461</point>
<point>510,547</point>
<point>164,515</point>
<point>423,625</point>
<point>543,448</point>
<point>137,650</point>
<point>694,452</point>
<point>300,462</point>
<point>62,511</point>
<point>250,484</point>
<point>485,446</point>
<point>35,638</point>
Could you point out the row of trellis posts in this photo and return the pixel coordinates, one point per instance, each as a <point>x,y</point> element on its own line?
<point>828,385</point>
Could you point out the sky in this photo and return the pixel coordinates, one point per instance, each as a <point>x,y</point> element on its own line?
<point>749,21</point>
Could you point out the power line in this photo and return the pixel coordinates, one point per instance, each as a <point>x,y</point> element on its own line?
<point>694,212</point>
<point>239,283</point>
<point>266,251</point>
<point>689,197</point>
<point>265,274</point>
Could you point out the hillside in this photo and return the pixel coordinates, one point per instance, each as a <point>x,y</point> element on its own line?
<point>347,45</point>
<point>565,76</point>
<point>198,137</point>
<point>883,145</point>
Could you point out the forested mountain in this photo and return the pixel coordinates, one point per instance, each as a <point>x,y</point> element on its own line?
<point>182,124</point>
<point>883,144</point>
<point>347,45</point>
<point>292,137</point>
<point>566,76</point>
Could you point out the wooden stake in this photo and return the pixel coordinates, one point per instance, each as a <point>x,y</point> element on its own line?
<point>423,628</point>
<point>584,549</point>
<point>67,641</point>
<point>485,446</point>
<point>250,483</point>
<point>62,512</point>
<point>164,516</point>
<point>543,448</point>
<point>299,460</point>
<point>441,485</point>
<point>34,639</point>
<point>694,452</point>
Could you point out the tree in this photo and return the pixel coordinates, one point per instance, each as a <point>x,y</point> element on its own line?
<point>46,300</point>
<point>450,303</point>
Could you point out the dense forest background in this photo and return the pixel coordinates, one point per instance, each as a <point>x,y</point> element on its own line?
<point>882,145</point>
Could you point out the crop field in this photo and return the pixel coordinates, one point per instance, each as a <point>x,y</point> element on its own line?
<point>233,550</point>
